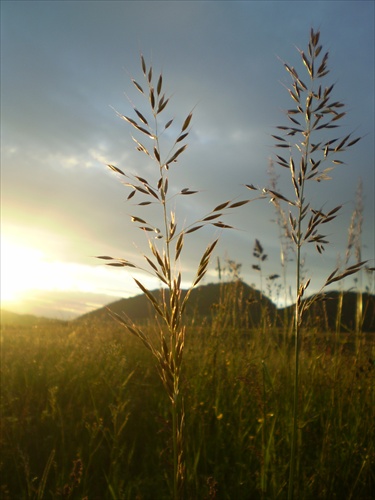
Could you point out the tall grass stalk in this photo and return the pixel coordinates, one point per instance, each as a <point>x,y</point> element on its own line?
<point>165,247</point>
<point>286,246</point>
<point>307,138</point>
<point>355,245</point>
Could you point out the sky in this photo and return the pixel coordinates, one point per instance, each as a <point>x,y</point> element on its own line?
<point>66,70</point>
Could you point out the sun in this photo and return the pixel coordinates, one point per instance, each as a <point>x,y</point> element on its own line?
<point>21,268</point>
<point>25,269</point>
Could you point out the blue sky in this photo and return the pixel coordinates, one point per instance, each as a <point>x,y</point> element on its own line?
<point>65,67</point>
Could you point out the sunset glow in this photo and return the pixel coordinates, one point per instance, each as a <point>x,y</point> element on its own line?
<point>33,282</point>
<point>24,269</point>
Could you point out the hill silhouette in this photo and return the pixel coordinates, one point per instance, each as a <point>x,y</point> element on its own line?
<point>244,304</point>
<point>9,318</point>
<point>244,307</point>
<point>323,314</point>
<point>233,303</point>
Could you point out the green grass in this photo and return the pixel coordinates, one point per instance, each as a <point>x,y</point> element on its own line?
<point>91,394</point>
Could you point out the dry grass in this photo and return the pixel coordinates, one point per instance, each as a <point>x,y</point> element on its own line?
<point>312,154</point>
<point>166,243</point>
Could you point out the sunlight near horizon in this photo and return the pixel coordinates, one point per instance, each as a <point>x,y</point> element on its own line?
<point>29,275</point>
<point>25,268</point>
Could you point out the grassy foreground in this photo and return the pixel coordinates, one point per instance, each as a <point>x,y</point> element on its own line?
<point>83,415</point>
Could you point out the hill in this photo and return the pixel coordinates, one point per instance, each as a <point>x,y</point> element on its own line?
<point>244,305</point>
<point>323,314</point>
<point>235,304</point>
<point>9,318</point>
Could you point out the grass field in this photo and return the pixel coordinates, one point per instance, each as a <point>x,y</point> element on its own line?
<point>84,416</point>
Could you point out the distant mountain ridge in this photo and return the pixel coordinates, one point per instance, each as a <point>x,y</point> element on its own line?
<point>238,304</point>
<point>323,314</point>
<point>203,302</point>
<point>247,306</point>
<point>12,318</point>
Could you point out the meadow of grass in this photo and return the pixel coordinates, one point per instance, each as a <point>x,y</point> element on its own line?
<point>83,415</point>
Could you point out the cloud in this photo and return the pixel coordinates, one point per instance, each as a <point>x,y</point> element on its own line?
<point>67,65</point>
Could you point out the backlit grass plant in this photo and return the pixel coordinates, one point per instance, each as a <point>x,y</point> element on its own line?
<point>165,248</point>
<point>311,153</point>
